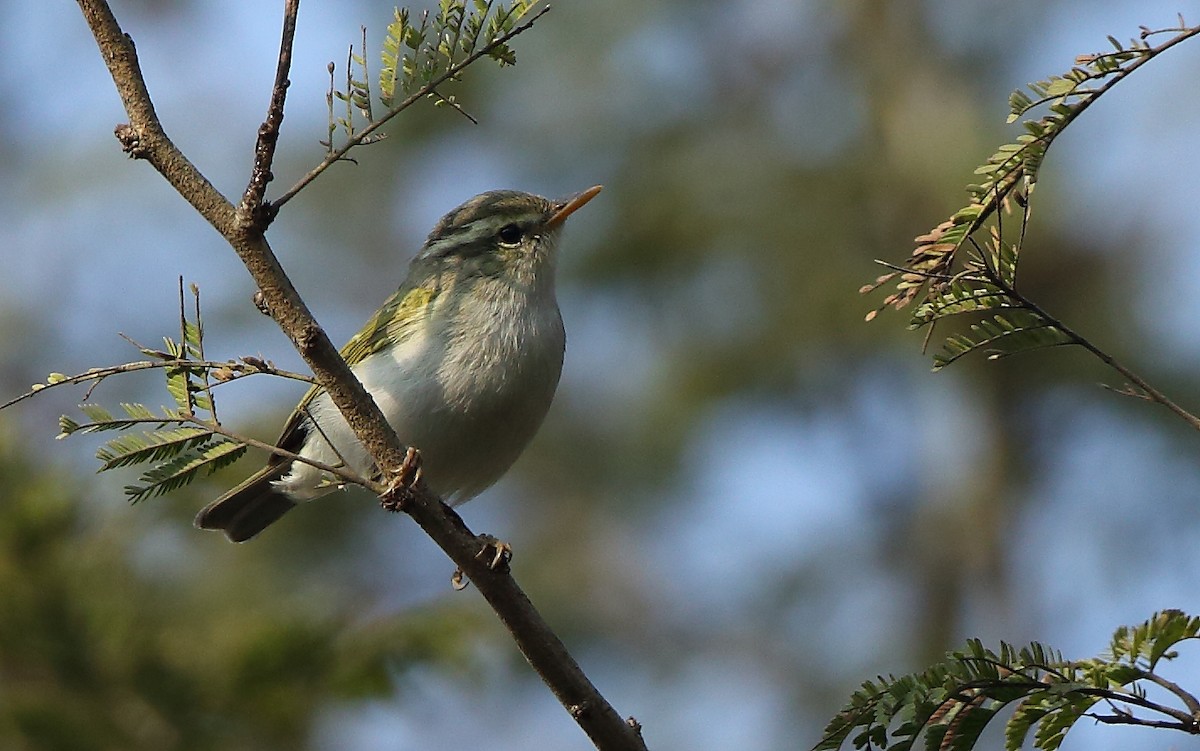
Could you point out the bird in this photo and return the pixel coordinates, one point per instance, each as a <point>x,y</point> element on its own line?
<point>463,361</point>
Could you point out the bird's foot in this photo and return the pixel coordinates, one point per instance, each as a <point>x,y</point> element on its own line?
<point>260,301</point>
<point>403,483</point>
<point>498,551</point>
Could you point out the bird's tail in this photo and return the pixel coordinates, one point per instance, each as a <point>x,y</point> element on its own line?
<point>249,508</point>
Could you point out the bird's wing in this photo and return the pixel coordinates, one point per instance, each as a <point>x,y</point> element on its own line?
<point>394,322</point>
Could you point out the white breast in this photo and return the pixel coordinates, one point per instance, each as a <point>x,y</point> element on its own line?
<point>470,401</point>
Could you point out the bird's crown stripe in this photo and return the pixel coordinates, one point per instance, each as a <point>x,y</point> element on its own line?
<point>477,231</point>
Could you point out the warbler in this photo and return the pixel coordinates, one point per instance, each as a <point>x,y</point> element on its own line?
<point>463,360</point>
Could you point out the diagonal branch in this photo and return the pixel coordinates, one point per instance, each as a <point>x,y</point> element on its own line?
<point>1189,699</point>
<point>1140,701</point>
<point>1149,392</point>
<point>337,470</point>
<point>1124,719</point>
<point>144,138</point>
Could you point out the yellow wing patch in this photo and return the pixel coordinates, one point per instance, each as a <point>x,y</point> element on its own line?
<point>393,322</point>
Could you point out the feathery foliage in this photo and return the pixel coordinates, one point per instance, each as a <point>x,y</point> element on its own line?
<point>952,272</point>
<point>181,442</point>
<point>421,54</point>
<point>948,705</point>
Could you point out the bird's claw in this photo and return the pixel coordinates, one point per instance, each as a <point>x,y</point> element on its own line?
<point>403,483</point>
<point>499,551</point>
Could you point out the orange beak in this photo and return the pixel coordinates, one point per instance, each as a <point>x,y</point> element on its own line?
<point>568,206</point>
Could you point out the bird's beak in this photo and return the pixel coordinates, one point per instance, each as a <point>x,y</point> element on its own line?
<point>568,206</point>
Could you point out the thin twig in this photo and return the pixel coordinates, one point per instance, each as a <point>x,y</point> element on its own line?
<point>1124,719</point>
<point>1189,700</point>
<point>316,425</point>
<point>451,72</point>
<point>208,386</point>
<point>332,127</point>
<point>349,92</point>
<point>252,204</point>
<point>1151,394</point>
<point>917,272</point>
<point>239,369</point>
<point>366,77</point>
<point>986,685</point>
<point>1139,701</point>
<point>341,471</point>
<point>450,102</point>
<point>185,351</point>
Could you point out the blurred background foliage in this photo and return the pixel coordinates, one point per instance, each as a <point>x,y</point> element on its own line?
<point>745,500</point>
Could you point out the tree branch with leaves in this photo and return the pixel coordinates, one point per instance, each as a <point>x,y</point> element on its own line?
<point>967,266</point>
<point>949,705</point>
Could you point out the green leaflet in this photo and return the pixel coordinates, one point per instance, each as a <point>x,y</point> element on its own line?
<point>154,446</point>
<point>186,467</point>
<point>1151,641</point>
<point>1002,335</point>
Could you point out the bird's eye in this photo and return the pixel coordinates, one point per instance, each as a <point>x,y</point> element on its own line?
<point>510,234</point>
